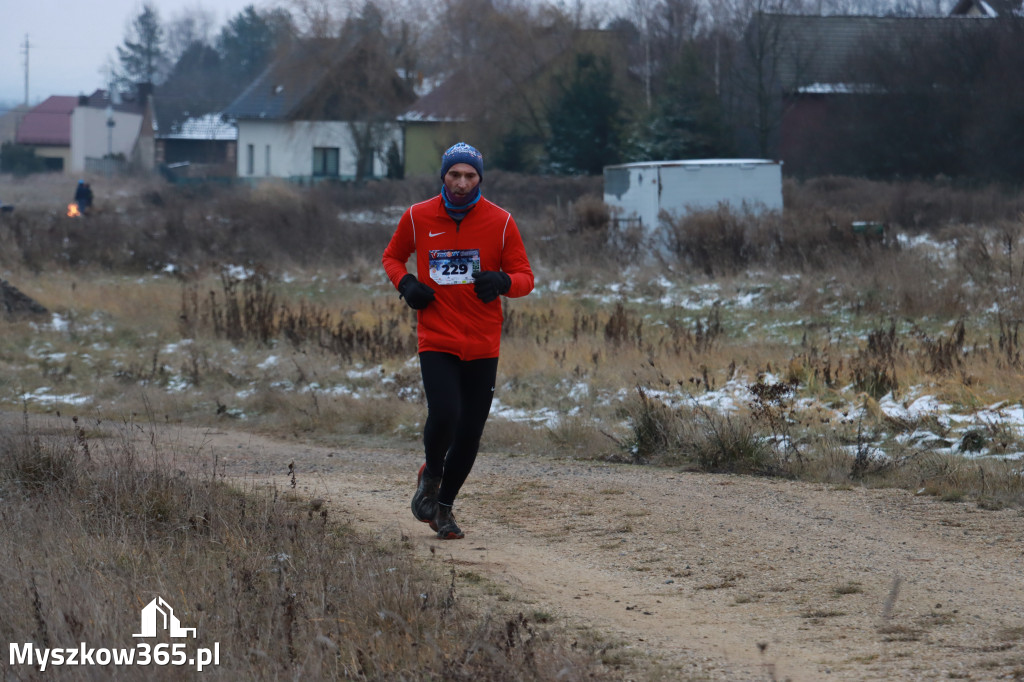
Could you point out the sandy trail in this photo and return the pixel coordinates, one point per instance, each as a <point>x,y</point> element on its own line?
<point>718,577</point>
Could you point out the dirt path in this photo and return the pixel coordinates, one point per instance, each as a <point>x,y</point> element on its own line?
<point>721,577</point>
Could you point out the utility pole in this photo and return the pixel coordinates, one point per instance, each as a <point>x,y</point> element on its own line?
<point>25,50</point>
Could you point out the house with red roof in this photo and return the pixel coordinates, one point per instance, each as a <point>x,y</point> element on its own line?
<point>91,132</point>
<point>47,129</point>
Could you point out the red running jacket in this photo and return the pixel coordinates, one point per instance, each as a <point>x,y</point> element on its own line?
<point>456,321</point>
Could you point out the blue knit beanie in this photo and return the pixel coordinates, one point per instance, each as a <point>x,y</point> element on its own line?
<point>460,152</point>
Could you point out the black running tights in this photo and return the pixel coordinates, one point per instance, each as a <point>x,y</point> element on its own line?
<point>459,396</point>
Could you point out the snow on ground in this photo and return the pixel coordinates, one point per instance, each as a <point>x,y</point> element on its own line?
<point>915,407</point>
<point>44,396</point>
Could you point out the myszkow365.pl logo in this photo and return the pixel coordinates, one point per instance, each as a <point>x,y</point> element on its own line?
<point>157,617</point>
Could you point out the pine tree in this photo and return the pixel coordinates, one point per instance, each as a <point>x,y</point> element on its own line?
<point>143,57</point>
<point>248,42</point>
<point>585,121</point>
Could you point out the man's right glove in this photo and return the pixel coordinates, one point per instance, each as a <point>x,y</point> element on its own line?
<point>417,294</point>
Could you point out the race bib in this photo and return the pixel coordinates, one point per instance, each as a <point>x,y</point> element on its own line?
<point>454,266</point>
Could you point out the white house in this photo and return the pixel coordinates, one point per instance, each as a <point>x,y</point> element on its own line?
<point>99,129</point>
<point>302,149</point>
<point>325,110</point>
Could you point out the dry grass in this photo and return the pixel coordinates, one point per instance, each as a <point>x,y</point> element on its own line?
<point>97,528</point>
<point>312,340</point>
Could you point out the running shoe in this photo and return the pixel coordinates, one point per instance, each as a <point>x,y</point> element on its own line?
<point>444,524</point>
<point>424,501</point>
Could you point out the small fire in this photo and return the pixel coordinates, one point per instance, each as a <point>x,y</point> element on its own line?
<point>73,211</point>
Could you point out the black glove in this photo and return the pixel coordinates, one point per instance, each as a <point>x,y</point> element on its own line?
<point>488,284</point>
<point>417,294</point>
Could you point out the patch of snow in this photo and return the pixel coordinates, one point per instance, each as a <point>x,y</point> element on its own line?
<point>579,391</point>
<point>59,323</point>
<point>239,272</point>
<point>42,396</point>
<point>544,416</point>
<point>177,384</point>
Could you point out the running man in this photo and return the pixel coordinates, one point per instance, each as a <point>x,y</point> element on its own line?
<point>469,253</point>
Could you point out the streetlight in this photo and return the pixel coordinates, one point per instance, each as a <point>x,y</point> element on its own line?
<point>110,138</point>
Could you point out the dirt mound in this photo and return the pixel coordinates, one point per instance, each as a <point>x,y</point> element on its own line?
<point>14,304</point>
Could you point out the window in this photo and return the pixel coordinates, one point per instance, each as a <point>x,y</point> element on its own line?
<point>325,162</point>
<point>250,159</point>
<point>266,159</point>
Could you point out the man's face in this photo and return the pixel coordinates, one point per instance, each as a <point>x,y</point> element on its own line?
<point>461,179</point>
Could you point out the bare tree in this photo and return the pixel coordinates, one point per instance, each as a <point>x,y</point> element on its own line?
<point>482,46</point>
<point>946,101</point>
<point>190,25</point>
<point>371,139</point>
<point>677,24</point>
<point>318,18</point>
<point>768,58</point>
<point>642,12</point>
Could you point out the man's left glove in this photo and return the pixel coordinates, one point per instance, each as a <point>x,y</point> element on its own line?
<point>489,284</point>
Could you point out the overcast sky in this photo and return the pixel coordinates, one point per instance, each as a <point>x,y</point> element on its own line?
<point>71,42</point>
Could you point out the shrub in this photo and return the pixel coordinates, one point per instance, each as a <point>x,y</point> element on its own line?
<point>36,465</point>
<point>590,214</point>
<point>712,241</point>
<point>20,159</point>
<point>874,367</point>
<point>724,444</point>
<point>714,443</point>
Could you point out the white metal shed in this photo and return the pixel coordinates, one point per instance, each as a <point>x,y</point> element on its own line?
<point>642,190</point>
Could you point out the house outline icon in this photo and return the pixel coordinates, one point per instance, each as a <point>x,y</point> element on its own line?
<point>158,612</point>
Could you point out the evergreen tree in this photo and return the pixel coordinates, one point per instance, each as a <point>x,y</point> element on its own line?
<point>370,19</point>
<point>197,85</point>
<point>585,121</point>
<point>685,121</point>
<point>249,42</point>
<point>143,57</point>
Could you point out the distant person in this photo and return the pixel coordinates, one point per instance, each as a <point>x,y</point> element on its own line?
<point>83,197</point>
<point>468,253</point>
